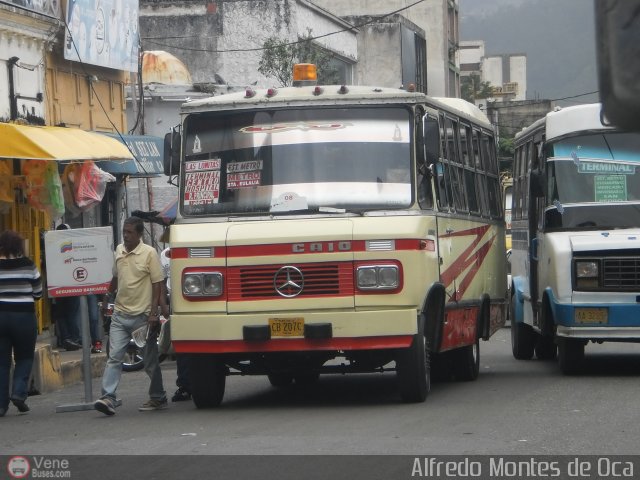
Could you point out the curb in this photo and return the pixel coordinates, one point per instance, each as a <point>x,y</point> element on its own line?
<point>53,369</point>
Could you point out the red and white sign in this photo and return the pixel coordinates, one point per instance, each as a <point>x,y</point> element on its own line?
<point>202,188</point>
<point>246,179</point>
<point>200,165</point>
<point>79,262</point>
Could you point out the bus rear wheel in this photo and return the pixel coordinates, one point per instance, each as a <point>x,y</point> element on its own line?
<point>207,375</point>
<point>413,368</point>
<point>280,380</point>
<point>570,355</point>
<point>467,362</point>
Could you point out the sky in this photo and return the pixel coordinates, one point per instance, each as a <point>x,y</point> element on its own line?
<point>558,37</point>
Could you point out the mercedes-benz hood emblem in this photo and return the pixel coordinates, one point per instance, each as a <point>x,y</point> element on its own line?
<point>288,281</point>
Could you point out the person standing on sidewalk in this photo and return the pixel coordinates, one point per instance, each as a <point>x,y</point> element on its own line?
<point>137,282</point>
<point>20,285</point>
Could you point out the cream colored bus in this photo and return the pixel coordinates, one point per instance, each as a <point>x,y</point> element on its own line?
<point>334,229</point>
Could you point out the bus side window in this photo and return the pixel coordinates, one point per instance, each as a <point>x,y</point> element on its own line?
<point>445,201</point>
<point>483,194</point>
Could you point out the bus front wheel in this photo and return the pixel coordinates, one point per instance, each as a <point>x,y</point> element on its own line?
<point>570,355</point>
<point>522,335</point>
<point>413,368</point>
<point>207,375</point>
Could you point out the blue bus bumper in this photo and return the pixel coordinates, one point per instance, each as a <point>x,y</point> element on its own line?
<point>615,321</point>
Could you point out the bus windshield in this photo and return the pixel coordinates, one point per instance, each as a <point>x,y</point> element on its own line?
<point>297,160</point>
<point>600,170</point>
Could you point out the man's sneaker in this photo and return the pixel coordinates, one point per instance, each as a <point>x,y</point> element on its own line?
<point>153,404</point>
<point>97,347</point>
<point>181,395</point>
<point>105,406</point>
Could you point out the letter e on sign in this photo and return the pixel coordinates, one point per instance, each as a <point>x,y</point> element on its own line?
<point>80,274</point>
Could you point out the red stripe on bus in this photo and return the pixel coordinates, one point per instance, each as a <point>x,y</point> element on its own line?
<point>299,248</point>
<point>459,328</point>
<point>312,248</point>
<point>291,345</point>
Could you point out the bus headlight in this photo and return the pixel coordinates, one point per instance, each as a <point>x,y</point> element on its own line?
<point>378,277</point>
<point>587,273</point>
<point>202,284</point>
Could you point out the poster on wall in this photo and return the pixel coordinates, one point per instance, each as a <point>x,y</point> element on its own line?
<point>103,32</point>
<point>79,261</point>
<point>50,8</point>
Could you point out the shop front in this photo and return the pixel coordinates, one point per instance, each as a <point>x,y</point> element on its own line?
<point>47,173</point>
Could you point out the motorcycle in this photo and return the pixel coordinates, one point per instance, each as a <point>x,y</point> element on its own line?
<point>133,357</point>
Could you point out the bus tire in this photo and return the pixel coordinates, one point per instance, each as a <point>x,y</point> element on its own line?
<point>522,340</point>
<point>467,362</point>
<point>307,378</point>
<point>522,335</point>
<point>546,348</point>
<point>207,375</point>
<point>280,380</point>
<point>570,355</point>
<point>413,368</point>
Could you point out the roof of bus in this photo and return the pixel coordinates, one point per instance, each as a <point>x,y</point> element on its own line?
<point>291,96</point>
<point>565,120</point>
<point>329,95</point>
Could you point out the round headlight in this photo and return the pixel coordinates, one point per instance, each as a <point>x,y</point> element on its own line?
<point>192,285</point>
<point>367,277</point>
<point>388,277</point>
<point>212,284</point>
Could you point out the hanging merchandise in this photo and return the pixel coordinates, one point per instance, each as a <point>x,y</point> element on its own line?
<point>69,175</point>
<point>6,190</point>
<point>90,185</point>
<point>43,187</point>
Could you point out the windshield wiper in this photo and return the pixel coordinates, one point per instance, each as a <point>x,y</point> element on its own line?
<point>316,210</point>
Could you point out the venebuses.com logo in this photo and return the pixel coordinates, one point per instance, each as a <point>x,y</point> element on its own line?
<point>18,467</point>
<point>38,467</point>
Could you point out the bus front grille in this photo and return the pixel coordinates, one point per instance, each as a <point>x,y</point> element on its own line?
<point>621,273</point>
<point>319,280</point>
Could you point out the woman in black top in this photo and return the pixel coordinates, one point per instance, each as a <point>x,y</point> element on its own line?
<point>20,285</point>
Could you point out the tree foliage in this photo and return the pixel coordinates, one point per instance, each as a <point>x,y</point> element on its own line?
<point>506,147</point>
<point>472,88</point>
<point>279,56</point>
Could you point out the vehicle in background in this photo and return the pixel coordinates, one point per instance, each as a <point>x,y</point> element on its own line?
<point>334,222</point>
<point>575,254</point>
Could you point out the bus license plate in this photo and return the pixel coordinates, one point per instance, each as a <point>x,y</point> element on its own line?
<point>287,327</point>
<point>591,315</point>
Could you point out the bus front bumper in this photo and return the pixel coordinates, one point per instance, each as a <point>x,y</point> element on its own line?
<point>339,331</point>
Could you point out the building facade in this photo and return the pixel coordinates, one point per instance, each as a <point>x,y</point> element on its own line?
<point>438,19</point>
<point>41,85</point>
<point>507,73</point>
<point>220,42</point>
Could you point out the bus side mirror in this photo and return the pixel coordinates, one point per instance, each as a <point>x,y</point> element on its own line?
<point>431,137</point>
<point>171,158</point>
<point>617,39</point>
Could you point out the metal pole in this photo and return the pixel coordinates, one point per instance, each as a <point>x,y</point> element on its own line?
<point>86,349</point>
<point>86,363</point>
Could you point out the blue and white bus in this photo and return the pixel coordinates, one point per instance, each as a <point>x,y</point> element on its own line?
<point>575,259</point>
